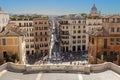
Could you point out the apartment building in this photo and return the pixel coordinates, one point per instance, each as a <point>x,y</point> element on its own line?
<point>12,43</point>
<point>26,25</point>
<point>4,19</point>
<point>73,33</point>
<point>42,35</point>
<point>104,43</point>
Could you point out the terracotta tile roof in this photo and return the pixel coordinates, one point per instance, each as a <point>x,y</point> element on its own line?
<point>12,30</point>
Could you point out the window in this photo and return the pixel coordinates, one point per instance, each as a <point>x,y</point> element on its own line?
<point>78,26</point>
<point>35,22</point>
<point>31,40</point>
<point>4,54</point>
<point>45,39</point>
<point>83,26</point>
<point>30,24</point>
<point>27,46</point>
<point>40,22</point>
<point>74,48</point>
<point>66,27</point>
<point>92,40</point>
<point>83,41</point>
<point>83,47</point>
<point>45,28</point>
<point>112,29</point>
<point>36,28</point>
<point>79,48</point>
<point>105,43</point>
<point>46,45</point>
<point>84,31</point>
<point>74,32</point>
<point>45,33</point>
<point>63,27</point>
<point>40,28</point>
<point>3,41</point>
<point>36,46</point>
<point>79,36</point>
<point>83,36</point>
<point>79,21</point>
<point>79,31</point>
<point>45,22</point>
<point>40,33</point>
<point>79,41</point>
<point>113,20</point>
<point>35,33</point>
<point>74,42</point>
<point>36,40</point>
<point>40,39</point>
<point>111,41</point>
<point>118,20</point>
<point>118,29</point>
<point>67,49</point>
<point>74,37</point>
<point>20,25</point>
<point>31,34</point>
<point>73,27</point>
<point>118,41</point>
<point>25,24</point>
<point>32,46</point>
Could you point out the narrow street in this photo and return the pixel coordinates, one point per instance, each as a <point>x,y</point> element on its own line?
<point>54,50</point>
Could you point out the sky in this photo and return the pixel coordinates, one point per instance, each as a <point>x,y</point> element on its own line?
<point>59,7</point>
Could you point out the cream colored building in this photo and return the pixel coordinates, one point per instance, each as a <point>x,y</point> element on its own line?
<point>73,34</point>
<point>4,19</point>
<point>29,37</point>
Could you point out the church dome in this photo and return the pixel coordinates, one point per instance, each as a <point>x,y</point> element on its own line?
<point>94,10</point>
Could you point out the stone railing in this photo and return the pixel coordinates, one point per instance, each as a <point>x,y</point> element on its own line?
<point>100,67</point>
<point>66,68</point>
<point>3,67</point>
<point>115,68</point>
<point>16,67</point>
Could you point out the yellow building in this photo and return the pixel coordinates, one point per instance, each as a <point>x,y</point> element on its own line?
<point>104,43</point>
<point>12,43</point>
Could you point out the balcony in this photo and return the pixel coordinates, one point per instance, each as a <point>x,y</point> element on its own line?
<point>106,48</point>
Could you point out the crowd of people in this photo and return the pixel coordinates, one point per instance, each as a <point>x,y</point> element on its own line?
<point>32,58</point>
<point>72,56</point>
<point>64,57</point>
